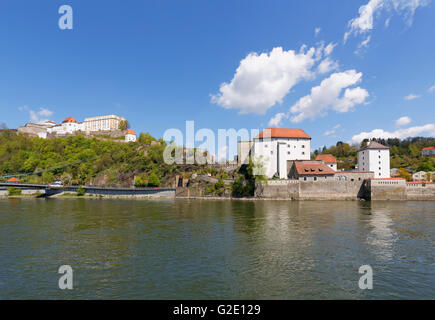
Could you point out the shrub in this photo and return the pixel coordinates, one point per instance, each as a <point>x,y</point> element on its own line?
<point>141,181</point>
<point>153,180</point>
<point>81,191</point>
<point>12,191</point>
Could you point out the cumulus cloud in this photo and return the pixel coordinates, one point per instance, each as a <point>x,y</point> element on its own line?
<point>262,80</point>
<point>332,131</point>
<point>364,22</point>
<point>431,89</point>
<point>426,130</point>
<point>277,120</point>
<point>411,96</point>
<point>317,31</point>
<point>39,116</point>
<point>327,65</point>
<point>403,121</point>
<point>328,96</point>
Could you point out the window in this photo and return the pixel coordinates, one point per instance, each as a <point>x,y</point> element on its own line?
<point>379,162</point>
<point>303,146</point>
<point>288,152</point>
<point>379,168</point>
<point>288,146</point>
<point>271,152</point>
<point>265,145</point>
<point>315,178</point>
<point>379,157</point>
<point>303,152</point>
<point>305,178</point>
<point>379,173</point>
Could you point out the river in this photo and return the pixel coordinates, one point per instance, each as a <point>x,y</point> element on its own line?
<point>216,249</point>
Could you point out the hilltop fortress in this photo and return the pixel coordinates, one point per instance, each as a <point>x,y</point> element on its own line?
<point>111,125</point>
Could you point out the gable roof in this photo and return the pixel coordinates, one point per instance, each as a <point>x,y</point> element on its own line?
<point>129,131</point>
<point>282,133</point>
<point>374,145</point>
<point>13,179</point>
<point>327,158</point>
<point>313,169</point>
<point>428,148</point>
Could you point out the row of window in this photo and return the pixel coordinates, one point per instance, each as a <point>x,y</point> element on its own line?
<point>288,152</point>
<point>288,146</point>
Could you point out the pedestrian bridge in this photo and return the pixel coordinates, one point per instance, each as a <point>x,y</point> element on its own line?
<point>108,191</point>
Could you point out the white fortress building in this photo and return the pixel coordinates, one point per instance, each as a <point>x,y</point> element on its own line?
<point>68,126</point>
<point>102,123</point>
<point>275,146</point>
<point>375,157</point>
<point>130,136</point>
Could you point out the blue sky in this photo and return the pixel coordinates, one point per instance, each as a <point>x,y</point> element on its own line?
<point>160,63</point>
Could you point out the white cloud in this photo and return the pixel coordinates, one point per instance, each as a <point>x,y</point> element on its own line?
<point>277,120</point>
<point>329,48</point>
<point>427,130</point>
<point>431,89</point>
<point>327,65</point>
<point>327,96</point>
<point>39,116</point>
<point>332,131</point>
<point>317,31</point>
<point>364,43</point>
<point>262,80</point>
<point>403,121</point>
<point>412,96</point>
<point>364,22</point>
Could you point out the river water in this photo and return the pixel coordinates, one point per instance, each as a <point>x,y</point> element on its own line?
<point>216,249</point>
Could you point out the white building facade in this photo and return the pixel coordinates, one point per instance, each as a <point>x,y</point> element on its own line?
<point>275,146</point>
<point>68,126</point>
<point>102,123</point>
<point>130,136</point>
<point>375,157</point>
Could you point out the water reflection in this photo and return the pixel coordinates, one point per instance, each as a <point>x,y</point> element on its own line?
<point>175,249</point>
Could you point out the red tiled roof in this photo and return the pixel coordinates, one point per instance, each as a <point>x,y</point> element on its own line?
<point>313,169</point>
<point>282,133</point>
<point>327,158</point>
<point>428,148</point>
<point>13,179</point>
<point>69,119</point>
<point>129,131</point>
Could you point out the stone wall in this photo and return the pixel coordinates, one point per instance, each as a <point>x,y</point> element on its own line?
<point>387,189</point>
<point>311,190</point>
<point>420,191</point>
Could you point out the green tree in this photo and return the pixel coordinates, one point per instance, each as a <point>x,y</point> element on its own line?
<point>123,125</point>
<point>12,191</point>
<point>153,180</point>
<point>141,180</point>
<point>146,138</point>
